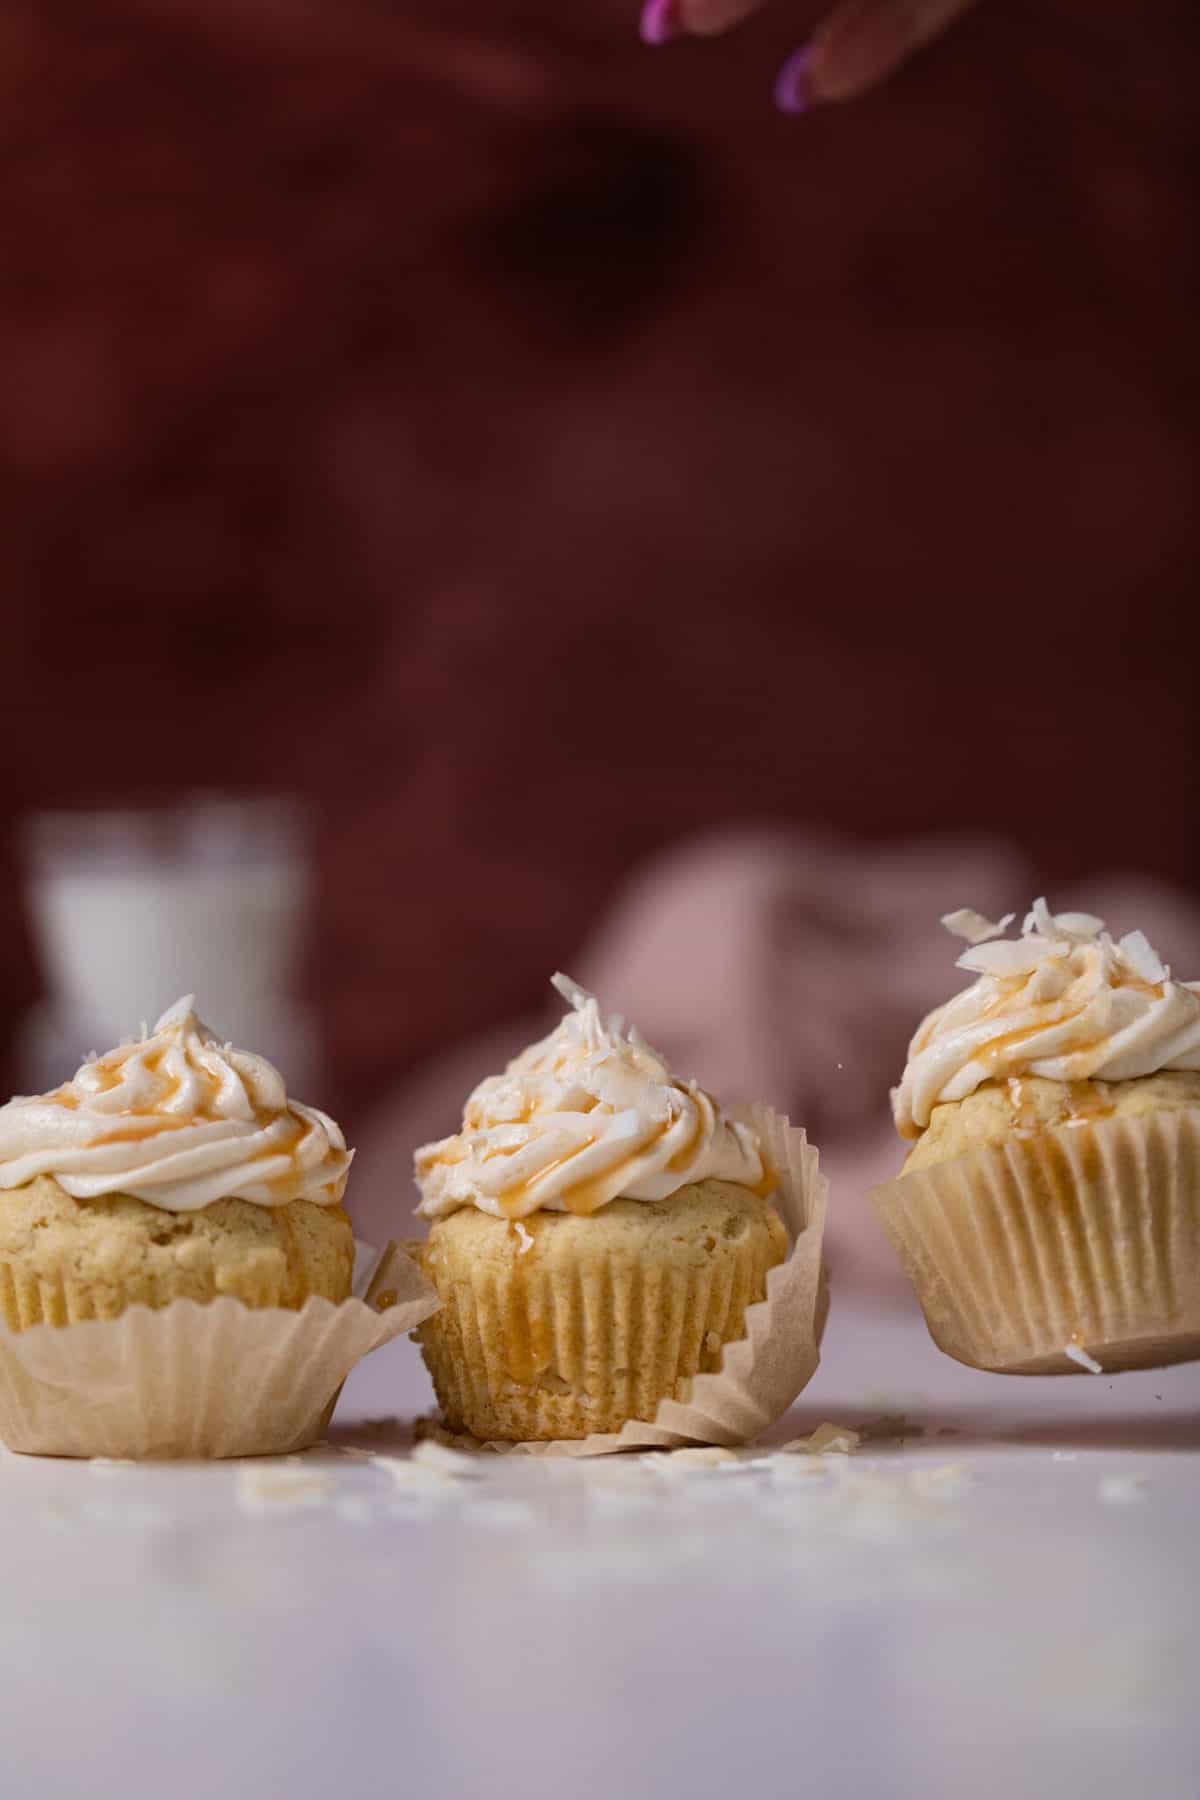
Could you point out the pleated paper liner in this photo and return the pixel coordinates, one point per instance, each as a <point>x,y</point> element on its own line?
<point>188,1380</point>
<point>760,1373</point>
<point>1050,1254</point>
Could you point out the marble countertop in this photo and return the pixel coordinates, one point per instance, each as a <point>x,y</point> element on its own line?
<point>995,1594</point>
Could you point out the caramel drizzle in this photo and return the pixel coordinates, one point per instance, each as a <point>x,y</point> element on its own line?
<point>133,1125</point>
<point>590,1193</point>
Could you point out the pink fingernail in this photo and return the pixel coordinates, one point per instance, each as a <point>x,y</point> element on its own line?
<point>792,92</point>
<point>660,21</point>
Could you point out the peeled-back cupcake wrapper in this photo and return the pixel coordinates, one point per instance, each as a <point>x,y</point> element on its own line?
<point>1076,1246</point>
<point>762,1372</point>
<point>188,1380</point>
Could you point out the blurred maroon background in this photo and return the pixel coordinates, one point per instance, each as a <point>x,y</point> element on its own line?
<point>532,450</point>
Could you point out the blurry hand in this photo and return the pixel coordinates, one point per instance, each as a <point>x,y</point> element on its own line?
<point>859,44</point>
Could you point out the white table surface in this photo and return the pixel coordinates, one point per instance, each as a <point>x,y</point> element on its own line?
<point>1004,1605</point>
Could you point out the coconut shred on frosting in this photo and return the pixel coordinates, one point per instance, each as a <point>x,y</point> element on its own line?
<point>588,1115</point>
<point>1063,1001</point>
<point>179,1120</point>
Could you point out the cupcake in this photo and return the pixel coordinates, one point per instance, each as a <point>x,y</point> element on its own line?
<point>600,1235</point>
<point>162,1214</point>
<point>172,1168</point>
<point>1048,1212</point>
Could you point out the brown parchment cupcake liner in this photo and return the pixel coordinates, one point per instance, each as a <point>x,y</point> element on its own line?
<point>529,1350</point>
<point>760,1373</point>
<point>1050,1254</point>
<point>188,1380</point>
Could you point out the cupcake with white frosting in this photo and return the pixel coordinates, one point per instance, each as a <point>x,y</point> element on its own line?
<point>1048,1211</point>
<point>600,1231</point>
<point>176,1265</point>
<point>173,1167</point>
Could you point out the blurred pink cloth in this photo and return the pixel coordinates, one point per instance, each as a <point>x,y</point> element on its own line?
<point>778,966</point>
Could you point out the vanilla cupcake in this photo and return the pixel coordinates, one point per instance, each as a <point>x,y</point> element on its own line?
<point>600,1233</point>
<point>1048,1212</point>
<point>172,1168</point>
<point>176,1265</point>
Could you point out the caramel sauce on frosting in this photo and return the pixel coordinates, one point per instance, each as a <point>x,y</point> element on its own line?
<point>178,1119</point>
<point>588,1115</point>
<point>1063,1001</point>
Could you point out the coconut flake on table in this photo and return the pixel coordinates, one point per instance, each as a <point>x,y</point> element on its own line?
<point>827,1437</point>
<point>431,1454</point>
<point>796,1471</point>
<point>416,1477</point>
<point>698,1456</point>
<point>281,1488</point>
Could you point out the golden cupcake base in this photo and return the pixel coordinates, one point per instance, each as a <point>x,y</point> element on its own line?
<point>566,1326</point>
<point>1082,1239</point>
<point>64,1261</point>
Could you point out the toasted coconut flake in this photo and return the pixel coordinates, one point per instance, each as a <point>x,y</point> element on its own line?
<point>430,1454</point>
<point>1012,956</point>
<point>276,1488</point>
<point>570,990</point>
<point>703,1456</point>
<point>1039,918</point>
<point>1079,924</point>
<point>1142,958</point>
<point>842,1438</point>
<point>1048,983</point>
<point>966,923</point>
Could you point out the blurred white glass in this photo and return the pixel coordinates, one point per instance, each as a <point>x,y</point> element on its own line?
<point>131,909</point>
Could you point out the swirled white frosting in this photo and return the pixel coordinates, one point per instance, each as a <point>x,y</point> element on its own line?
<point>177,1119</point>
<point>588,1115</point>
<point>1063,1000</point>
